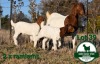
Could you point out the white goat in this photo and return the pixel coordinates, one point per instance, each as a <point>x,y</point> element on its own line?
<point>57,20</point>
<point>31,29</point>
<point>50,33</point>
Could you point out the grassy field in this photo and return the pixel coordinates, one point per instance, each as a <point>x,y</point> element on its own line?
<point>61,56</point>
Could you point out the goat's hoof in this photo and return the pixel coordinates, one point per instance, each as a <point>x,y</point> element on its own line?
<point>43,48</point>
<point>16,45</point>
<point>35,46</point>
<point>53,48</point>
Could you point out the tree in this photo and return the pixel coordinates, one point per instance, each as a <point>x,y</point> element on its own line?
<point>20,17</point>
<point>0,15</point>
<point>16,8</point>
<point>32,11</point>
<point>94,9</point>
<point>5,22</point>
<point>59,6</point>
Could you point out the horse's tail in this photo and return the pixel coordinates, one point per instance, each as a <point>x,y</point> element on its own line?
<point>48,14</point>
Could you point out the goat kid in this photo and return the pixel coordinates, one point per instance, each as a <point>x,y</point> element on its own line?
<point>49,33</point>
<point>31,29</point>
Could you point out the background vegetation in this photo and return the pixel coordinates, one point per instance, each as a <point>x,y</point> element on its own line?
<point>61,56</point>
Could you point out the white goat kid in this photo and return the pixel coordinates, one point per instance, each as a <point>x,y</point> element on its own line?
<point>50,33</point>
<point>31,29</point>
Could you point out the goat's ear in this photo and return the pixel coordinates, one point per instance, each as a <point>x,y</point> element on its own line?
<point>48,14</point>
<point>42,24</point>
<point>71,29</point>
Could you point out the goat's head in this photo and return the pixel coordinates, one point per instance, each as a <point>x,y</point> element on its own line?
<point>78,8</point>
<point>84,45</point>
<point>66,29</point>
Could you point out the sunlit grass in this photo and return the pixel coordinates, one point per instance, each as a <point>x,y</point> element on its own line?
<point>61,56</point>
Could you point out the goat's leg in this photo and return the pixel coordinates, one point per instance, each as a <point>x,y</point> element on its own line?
<point>54,44</point>
<point>15,38</point>
<point>74,38</point>
<point>34,38</point>
<point>43,44</point>
<point>31,38</point>
<point>35,42</point>
<point>73,42</point>
<point>48,43</point>
<point>59,43</point>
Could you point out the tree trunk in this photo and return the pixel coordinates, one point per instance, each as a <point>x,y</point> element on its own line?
<point>0,22</point>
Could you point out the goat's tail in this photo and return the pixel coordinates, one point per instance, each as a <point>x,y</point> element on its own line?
<point>12,23</point>
<point>42,24</point>
<point>47,14</point>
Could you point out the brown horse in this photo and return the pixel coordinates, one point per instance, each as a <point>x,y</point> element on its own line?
<point>71,21</point>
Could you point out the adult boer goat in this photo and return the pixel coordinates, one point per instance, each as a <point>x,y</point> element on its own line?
<point>31,29</point>
<point>71,20</point>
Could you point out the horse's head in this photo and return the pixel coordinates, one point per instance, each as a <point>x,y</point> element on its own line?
<point>39,20</point>
<point>78,8</point>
